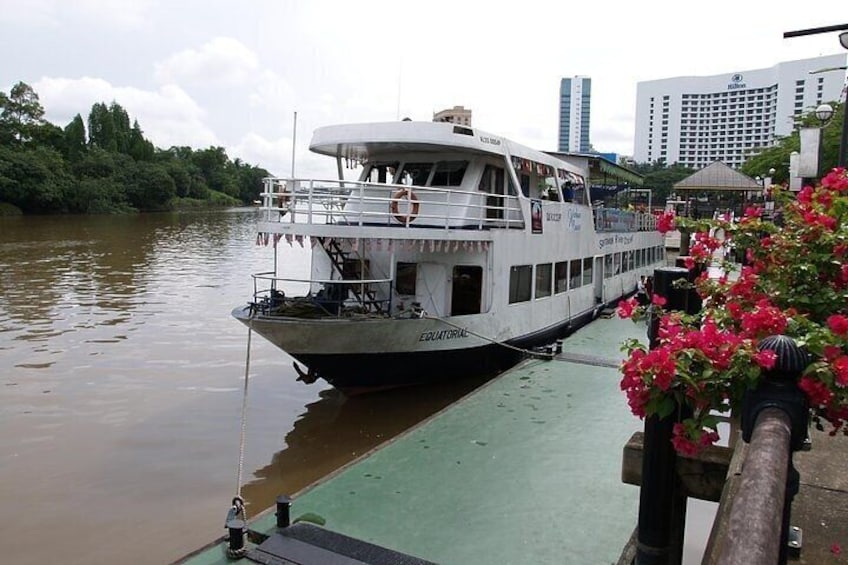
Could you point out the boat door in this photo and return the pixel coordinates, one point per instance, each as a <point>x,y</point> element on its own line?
<point>431,288</point>
<point>598,272</point>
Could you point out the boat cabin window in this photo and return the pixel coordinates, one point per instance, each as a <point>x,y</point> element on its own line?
<point>415,174</point>
<point>524,179</point>
<point>561,269</point>
<point>548,188</point>
<point>608,265</point>
<point>492,182</point>
<point>382,172</point>
<point>543,280</point>
<point>574,189</point>
<point>587,271</point>
<point>449,173</point>
<point>520,279</point>
<point>576,274</point>
<point>405,277</point>
<point>467,290</point>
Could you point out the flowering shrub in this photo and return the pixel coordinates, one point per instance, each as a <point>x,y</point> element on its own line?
<point>794,282</point>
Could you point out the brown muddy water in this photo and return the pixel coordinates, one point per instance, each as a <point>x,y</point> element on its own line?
<point>121,385</point>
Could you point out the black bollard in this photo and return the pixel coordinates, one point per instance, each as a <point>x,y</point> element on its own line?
<point>283,508</point>
<point>236,548</point>
<point>662,510</point>
<point>656,496</point>
<point>682,300</point>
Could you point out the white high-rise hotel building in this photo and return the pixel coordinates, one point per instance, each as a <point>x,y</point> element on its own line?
<point>695,121</point>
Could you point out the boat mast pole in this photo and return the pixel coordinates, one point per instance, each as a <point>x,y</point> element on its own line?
<point>294,143</point>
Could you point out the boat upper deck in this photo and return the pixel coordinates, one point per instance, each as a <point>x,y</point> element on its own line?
<point>436,176</point>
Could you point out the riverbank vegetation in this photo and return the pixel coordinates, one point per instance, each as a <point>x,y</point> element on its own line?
<point>106,165</point>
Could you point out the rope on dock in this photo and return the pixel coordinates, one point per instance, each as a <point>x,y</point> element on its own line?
<point>593,360</point>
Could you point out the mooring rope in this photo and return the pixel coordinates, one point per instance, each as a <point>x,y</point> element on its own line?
<point>536,354</point>
<point>244,420</point>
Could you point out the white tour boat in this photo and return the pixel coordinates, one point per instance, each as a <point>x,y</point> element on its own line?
<point>454,252</point>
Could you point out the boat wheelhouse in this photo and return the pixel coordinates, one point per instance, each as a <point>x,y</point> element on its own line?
<point>453,253</point>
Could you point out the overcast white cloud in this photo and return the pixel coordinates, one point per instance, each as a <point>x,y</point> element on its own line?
<point>222,62</point>
<point>221,72</point>
<point>167,115</point>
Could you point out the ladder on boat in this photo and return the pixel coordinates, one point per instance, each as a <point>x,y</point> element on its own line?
<point>340,260</point>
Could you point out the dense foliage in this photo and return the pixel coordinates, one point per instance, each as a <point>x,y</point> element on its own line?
<point>106,165</point>
<point>795,283</point>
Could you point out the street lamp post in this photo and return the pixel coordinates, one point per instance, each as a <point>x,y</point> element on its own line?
<point>842,161</point>
<point>842,158</point>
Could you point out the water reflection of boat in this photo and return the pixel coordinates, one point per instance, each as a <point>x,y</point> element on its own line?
<point>337,429</point>
<point>454,250</point>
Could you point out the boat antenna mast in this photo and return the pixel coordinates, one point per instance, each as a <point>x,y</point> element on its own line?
<point>294,142</point>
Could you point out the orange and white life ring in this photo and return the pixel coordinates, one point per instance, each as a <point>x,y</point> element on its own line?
<point>412,209</point>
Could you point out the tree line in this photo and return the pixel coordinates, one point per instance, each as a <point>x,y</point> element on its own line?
<point>106,165</point>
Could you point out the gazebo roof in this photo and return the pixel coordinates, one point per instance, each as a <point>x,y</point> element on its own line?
<point>718,176</point>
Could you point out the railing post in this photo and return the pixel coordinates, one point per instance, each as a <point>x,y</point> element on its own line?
<point>774,422</point>
<point>662,509</point>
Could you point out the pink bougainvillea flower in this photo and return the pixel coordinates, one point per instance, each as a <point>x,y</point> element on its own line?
<point>682,443</point>
<point>658,300</point>
<point>626,308</point>
<point>753,212</point>
<point>840,371</point>
<point>665,223</point>
<point>816,391</point>
<point>765,358</point>
<point>836,549</point>
<point>838,324</point>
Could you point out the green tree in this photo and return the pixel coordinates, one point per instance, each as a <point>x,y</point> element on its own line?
<point>101,128</point>
<point>777,156</point>
<point>75,146</point>
<point>121,122</point>
<point>661,180</point>
<point>139,148</point>
<point>21,113</point>
<point>34,180</point>
<point>149,186</point>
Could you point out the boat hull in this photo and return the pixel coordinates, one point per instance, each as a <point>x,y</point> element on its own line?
<point>360,370</point>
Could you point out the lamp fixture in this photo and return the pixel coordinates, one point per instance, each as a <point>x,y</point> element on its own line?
<point>824,112</point>
<point>843,39</point>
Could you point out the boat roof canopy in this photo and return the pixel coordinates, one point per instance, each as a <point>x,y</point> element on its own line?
<point>362,142</point>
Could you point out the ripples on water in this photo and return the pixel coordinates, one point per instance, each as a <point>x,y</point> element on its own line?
<point>120,396</point>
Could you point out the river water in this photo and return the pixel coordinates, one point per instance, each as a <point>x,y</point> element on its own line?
<point>122,385</point>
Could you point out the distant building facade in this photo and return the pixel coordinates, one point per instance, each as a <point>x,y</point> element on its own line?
<point>456,115</point>
<point>695,121</point>
<point>575,95</point>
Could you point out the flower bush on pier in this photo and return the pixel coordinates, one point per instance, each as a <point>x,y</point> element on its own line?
<point>794,282</point>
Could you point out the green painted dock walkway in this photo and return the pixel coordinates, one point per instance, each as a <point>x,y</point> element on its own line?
<point>526,469</point>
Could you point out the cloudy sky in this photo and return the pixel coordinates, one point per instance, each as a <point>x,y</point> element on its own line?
<point>232,74</point>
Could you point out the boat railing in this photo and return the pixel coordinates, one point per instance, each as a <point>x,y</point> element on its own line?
<point>616,220</point>
<point>336,298</point>
<point>356,203</point>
